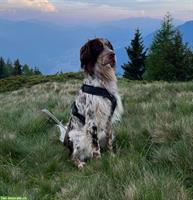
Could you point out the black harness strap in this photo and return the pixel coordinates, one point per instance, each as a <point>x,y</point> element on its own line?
<point>77,114</point>
<point>98,91</point>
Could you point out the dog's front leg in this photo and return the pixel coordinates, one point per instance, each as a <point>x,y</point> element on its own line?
<point>91,132</point>
<point>77,162</point>
<point>91,126</point>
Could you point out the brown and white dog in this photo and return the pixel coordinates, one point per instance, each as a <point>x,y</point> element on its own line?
<point>97,105</point>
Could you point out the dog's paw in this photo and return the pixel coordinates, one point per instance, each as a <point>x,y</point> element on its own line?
<point>81,165</point>
<point>96,155</point>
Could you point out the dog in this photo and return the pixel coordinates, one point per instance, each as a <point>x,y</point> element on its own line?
<point>97,104</point>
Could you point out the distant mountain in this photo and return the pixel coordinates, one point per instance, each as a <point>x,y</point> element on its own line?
<point>186,30</point>
<point>46,46</point>
<point>53,48</point>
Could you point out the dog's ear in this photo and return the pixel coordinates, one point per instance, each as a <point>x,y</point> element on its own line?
<point>85,55</point>
<point>89,53</point>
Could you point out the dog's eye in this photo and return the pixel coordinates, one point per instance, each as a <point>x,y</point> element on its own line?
<point>110,45</point>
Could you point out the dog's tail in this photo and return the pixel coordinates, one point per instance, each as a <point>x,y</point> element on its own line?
<point>62,132</point>
<point>59,124</point>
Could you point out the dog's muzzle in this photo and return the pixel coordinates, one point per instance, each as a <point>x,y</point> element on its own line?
<point>110,59</point>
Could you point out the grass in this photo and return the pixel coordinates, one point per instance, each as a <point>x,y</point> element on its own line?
<point>154,145</point>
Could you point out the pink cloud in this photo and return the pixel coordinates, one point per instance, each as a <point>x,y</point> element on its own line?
<point>43,5</point>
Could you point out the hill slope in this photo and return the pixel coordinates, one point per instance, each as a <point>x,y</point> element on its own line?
<point>154,145</point>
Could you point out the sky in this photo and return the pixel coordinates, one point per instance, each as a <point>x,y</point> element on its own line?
<point>85,11</point>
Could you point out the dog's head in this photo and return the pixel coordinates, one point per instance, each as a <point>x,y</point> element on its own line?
<point>97,58</point>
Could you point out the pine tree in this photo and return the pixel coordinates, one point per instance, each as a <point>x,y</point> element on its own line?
<point>2,70</point>
<point>37,71</point>
<point>182,59</point>
<point>168,58</point>
<point>26,70</point>
<point>135,67</point>
<point>17,68</point>
<point>8,68</point>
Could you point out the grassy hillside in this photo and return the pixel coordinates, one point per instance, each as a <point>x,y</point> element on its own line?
<point>16,82</point>
<point>154,145</point>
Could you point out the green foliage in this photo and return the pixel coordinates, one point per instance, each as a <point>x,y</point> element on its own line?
<point>154,144</point>
<point>37,71</point>
<point>2,68</point>
<point>17,70</point>
<point>8,69</point>
<point>27,71</point>
<point>135,67</point>
<point>169,58</point>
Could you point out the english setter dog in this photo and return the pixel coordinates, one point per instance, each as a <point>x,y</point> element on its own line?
<point>97,105</point>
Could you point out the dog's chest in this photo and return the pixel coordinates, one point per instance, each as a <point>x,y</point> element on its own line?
<point>92,106</point>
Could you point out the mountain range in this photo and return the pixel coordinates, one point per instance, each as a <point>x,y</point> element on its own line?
<point>54,48</point>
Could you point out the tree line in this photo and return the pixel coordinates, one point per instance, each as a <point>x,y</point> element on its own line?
<point>168,58</point>
<point>7,69</point>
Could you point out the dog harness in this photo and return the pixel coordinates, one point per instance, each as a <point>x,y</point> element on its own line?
<point>98,91</point>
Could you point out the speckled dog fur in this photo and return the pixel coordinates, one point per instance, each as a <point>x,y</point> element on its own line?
<point>85,140</point>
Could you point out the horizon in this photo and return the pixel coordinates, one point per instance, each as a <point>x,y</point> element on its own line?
<point>75,12</point>
<point>55,40</point>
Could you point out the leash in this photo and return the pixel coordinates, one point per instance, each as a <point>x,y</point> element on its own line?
<point>58,124</point>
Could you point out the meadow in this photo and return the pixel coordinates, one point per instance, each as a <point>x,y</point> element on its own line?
<point>154,143</point>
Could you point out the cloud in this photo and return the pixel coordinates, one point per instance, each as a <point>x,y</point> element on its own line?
<point>75,11</point>
<point>96,11</point>
<point>43,5</point>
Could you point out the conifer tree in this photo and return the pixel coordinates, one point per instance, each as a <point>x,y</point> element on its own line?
<point>37,71</point>
<point>2,66</point>
<point>8,68</point>
<point>168,58</point>
<point>26,70</point>
<point>135,67</point>
<point>17,68</point>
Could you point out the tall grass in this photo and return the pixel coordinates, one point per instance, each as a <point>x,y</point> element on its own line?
<point>154,145</point>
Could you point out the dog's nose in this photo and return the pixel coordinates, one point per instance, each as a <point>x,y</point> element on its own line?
<point>111,55</point>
